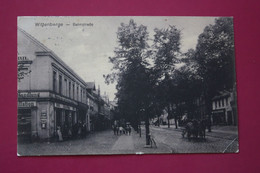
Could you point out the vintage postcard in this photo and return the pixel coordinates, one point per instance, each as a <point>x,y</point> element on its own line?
<point>126,85</point>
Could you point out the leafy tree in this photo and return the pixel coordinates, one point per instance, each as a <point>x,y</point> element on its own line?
<point>215,57</point>
<point>132,74</point>
<point>166,50</point>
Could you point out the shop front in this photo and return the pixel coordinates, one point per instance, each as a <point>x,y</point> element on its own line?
<point>26,112</point>
<point>218,117</point>
<point>65,119</point>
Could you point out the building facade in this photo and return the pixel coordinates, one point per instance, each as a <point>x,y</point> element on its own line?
<point>51,94</point>
<point>224,108</point>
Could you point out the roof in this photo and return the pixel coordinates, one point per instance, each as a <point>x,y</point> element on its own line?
<point>91,85</point>
<point>222,94</point>
<point>53,55</point>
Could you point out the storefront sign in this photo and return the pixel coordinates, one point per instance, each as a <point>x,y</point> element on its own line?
<point>65,99</point>
<point>26,104</point>
<point>218,111</point>
<point>22,58</point>
<point>28,95</point>
<point>43,124</point>
<point>58,105</point>
<point>44,114</point>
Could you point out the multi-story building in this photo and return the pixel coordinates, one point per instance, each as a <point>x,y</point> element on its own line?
<point>50,93</point>
<point>224,108</point>
<point>93,104</point>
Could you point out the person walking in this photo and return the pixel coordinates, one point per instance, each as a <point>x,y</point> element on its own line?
<point>120,130</point>
<point>114,129</point>
<point>129,130</point>
<point>60,138</point>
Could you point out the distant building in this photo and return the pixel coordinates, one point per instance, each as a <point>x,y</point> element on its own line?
<point>224,108</point>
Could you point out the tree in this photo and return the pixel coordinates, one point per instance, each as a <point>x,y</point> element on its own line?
<point>166,49</point>
<point>215,57</point>
<point>130,69</point>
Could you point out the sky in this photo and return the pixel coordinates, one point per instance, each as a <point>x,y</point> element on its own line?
<point>85,43</point>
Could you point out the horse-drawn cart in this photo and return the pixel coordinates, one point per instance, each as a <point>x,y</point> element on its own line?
<point>194,128</point>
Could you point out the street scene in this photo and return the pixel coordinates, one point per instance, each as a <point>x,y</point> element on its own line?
<point>126,85</point>
<point>168,140</point>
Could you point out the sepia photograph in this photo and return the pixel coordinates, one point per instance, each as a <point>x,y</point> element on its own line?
<point>105,85</point>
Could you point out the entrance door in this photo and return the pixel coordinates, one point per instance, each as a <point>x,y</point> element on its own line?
<point>229,114</point>
<point>24,122</point>
<point>58,118</point>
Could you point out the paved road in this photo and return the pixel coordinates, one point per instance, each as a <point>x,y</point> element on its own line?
<point>105,142</point>
<point>216,142</point>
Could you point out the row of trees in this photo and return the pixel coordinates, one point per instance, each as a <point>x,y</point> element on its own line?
<point>157,77</point>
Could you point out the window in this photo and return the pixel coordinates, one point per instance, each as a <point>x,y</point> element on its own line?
<point>78,93</point>
<point>216,104</point>
<point>73,91</point>
<point>81,95</point>
<point>65,87</point>
<point>88,101</point>
<point>69,89</point>
<point>222,102</point>
<point>54,81</point>
<point>60,84</point>
<point>227,101</point>
<point>219,103</point>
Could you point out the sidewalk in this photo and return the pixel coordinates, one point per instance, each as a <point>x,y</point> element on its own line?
<point>124,143</point>
<point>224,129</point>
<point>134,144</point>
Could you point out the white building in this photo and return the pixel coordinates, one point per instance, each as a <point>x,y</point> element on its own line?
<point>224,108</point>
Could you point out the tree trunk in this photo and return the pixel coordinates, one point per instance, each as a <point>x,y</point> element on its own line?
<point>169,115</point>
<point>139,128</point>
<point>147,130</point>
<point>158,120</point>
<point>208,111</point>
<point>175,116</point>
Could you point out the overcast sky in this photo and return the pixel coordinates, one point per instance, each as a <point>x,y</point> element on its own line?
<point>86,48</point>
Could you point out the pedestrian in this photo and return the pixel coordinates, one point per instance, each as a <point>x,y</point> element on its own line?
<point>126,129</point>
<point>129,130</point>
<point>69,133</point>
<point>79,129</point>
<point>60,138</point>
<point>120,130</point>
<point>117,130</point>
<point>84,130</point>
<point>114,129</point>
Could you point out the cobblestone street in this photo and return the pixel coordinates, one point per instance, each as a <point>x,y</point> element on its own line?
<point>220,140</point>
<point>168,140</point>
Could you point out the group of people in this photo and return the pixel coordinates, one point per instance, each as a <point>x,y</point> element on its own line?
<point>119,130</point>
<point>78,130</point>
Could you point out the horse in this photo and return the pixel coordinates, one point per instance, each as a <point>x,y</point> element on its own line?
<point>195,129</point>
